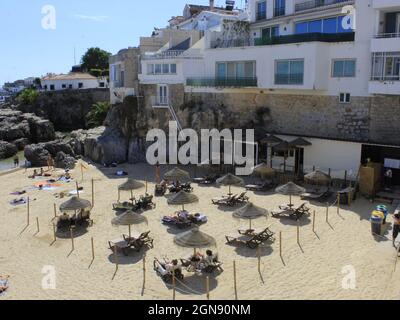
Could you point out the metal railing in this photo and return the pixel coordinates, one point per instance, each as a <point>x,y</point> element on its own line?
<point>279,11</point>
<point>289,79</point>
<point>261,15</point>
<point>222,82</point>
<point>170,54</point>
<point>386,78</point>
<point>312,4</point>
<point>287,39</point>
<point>387,35</point>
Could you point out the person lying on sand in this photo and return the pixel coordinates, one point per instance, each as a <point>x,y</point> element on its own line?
<point>18,201</point>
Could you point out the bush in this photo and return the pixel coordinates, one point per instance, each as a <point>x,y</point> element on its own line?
<point>27,96</point>
<point>98,114</point>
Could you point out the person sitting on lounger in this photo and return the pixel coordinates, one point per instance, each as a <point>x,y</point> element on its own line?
<point>169,268</point>
<point>209,259</point>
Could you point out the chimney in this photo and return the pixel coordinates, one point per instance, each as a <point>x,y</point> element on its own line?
<point>212,6</point>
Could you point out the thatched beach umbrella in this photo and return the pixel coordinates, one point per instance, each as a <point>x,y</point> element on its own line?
<point>195,239</point>
<point>129,218</point>
<point>263,169</point>
<point>250,212</point>
<point>290,189</point>
<point>182,198</point>
<point>129,185</point>
<point>318,177</point>
<point>177,174</point>
<point>230,180</point>
<point>74,204</point>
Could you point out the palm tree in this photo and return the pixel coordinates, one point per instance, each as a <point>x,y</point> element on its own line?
<point>98,114</point>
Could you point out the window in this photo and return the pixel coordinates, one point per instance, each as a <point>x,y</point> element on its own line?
<point>45,87</point>
<point>270,32</point>
<point>289,72</point>
<point>70,86</point>
<point>64,86</point>
<point>261,10</point>
<point>343,68</point>
<point>52,88</point>
<point>101,84</point>
<point>236,70</point>
<point>162,94</point>
<point>80,85</point>
<point>161,68</point>
<point>344,97</point>
<point>329,25</point>
<point>279,9</point>
<point>386,66</point>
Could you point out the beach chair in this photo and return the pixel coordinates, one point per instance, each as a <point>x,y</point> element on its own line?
<point>262,234</point>
<point>125,206</point>
<point>176,221</point>
<point>251,241</point>
<point>145,203</point>
<point>160,190</point>
<point>295,214</point>
<point>316,194</point>
<point>82,217</point>
<point>263,187</point>
<point>166,276</point>
<point>225,200</point>
<point>138,242</point>
<point>202,267</point>
<point>242,198</point>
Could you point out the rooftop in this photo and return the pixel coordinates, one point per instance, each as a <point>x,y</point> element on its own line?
<point>70,76</point>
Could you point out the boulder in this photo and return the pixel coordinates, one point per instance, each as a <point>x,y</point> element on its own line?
<point>21,143</point>
<point>7,150</point>
<point>36,154</point>
<point>64,161</point>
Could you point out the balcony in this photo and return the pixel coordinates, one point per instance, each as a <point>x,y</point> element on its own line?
<point>388,86</point>
<point>312,4</point>
<point>279,11</point>
<point>222,82</point>
<point>389,41</point>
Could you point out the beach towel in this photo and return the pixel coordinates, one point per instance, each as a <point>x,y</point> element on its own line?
<point>18,193</point>
<point>74,192</point>
<point>19,202</point>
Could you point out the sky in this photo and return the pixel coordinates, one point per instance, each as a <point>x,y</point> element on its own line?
<point>28,49</point>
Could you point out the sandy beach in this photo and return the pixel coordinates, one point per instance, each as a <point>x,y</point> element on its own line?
<point>310,271</point>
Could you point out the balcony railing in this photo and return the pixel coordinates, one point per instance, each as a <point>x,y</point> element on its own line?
<point>289,79</point>
<point>261,15</point>
<point>385,78</point>
<point>222,82</point>
<point>387,35</point>
<point>306,37</point>
<point>307,5</point>
<point>172,54</point>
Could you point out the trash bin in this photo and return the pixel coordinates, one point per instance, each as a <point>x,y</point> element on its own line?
<point>376,225</point>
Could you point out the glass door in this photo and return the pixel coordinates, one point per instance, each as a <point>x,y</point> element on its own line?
<point>163,94</point>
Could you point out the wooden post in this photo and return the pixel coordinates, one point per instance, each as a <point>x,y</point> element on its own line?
<point>234,279</point>
<point>147,186</point>
<point>77,189</point>
<point>259,259</point>
<point>345,177</point>
<point>173,286</point>
<point>116,258</point>
<point>208,287</point>
<point>37,224</point>
<point>280,243</point>
<point>144,271</point>
<point>72,239</point>
<point>298,232</point>
<point>55,211</point>
<point>92,248</point>
<point>338,204</point>
<point>92,193</point>
<point>54,232</point>
<point>28,212</point>
<point>82,171</point>
<point>313,224</point>
<point>327,213</point>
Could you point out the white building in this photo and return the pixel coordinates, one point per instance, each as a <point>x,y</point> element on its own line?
<point>342,54</point>
<point>72,81</point>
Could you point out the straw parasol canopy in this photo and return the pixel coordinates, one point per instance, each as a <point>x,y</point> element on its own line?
<point>250,212</point>
<point>263,169</point>
<point>177,174</point>
<point>230,180</point>
<point>271,139</point>
<point>300,142</point>
<point>290,189</point>
<point>129,218</point>
<point>194,238</point>
<point>318,177</point>
<point>182,198</point>
<point>75,204</point>
<point>129,185</point>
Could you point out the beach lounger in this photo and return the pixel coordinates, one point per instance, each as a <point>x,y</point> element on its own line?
<point>251,241</point>
<point>145,203</point>
<point>316,194</point>
<point>202,267</point>
<point>295,214</point>
<point>124,206</point>
<point>226,201</point>
<point>160,190</point>
<point>137,242</point>
<point>266,186</point>
<point>166,276</point>
<point>263,234</point>
<point>242,198</point>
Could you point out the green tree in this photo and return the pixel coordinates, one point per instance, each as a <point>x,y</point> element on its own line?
<point>98,114</point>
<point>27,96</point>
<point>95,59</point>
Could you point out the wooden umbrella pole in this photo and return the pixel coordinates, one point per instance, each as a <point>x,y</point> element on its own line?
<point>55,211</point>
<point>259,259</point>
<point>338,204</point>
<point>92,241</point>
<point>92,193</point>
<point>28,211</point>
<point>77,188</point>
<point>173,286</point>
<point>313,225</point>
<point>208,287</point>
<point>72,238</point>
<point>54,232</point>
<point>280,243</point>
<point>234,279</point>
<point>298,232</point>
<point>37,224</point>
<point>327,213</point>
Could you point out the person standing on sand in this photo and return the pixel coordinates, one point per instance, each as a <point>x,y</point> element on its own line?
<point>396,227</point>
<point>50,162</point>
<point>16,161</point>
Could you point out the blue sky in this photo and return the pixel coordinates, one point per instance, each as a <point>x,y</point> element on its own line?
<point>29,50</point>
